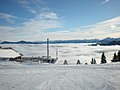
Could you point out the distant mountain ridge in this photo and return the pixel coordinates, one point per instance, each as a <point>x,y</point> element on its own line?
<point>52,42</point>
<point>106,41</point>
<point>109,41</point>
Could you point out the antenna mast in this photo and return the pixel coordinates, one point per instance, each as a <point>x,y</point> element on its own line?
<point>47,49</point>
<point>56,54</point>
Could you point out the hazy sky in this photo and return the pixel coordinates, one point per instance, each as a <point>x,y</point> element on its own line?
<point>36,20</point>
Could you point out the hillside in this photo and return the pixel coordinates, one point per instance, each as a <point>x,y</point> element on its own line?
<point>109,41</point>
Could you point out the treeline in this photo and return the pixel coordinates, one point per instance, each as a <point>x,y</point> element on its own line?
<point>116,58</point>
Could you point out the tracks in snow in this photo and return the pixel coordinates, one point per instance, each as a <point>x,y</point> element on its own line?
<point>60,78</point>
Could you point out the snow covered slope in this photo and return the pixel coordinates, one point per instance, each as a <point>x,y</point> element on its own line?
<point>59,77</point>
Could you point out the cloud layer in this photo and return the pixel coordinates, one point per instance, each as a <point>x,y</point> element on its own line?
<point>33,6</point>
<point>105,1</point>
<point>46,23</point>
<point>34,30</point>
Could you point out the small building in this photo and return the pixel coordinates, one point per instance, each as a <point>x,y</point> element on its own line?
<point>9,54</point>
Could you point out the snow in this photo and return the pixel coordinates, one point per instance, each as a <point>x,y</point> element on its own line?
<point>8,53</point>
<point>22,76</point>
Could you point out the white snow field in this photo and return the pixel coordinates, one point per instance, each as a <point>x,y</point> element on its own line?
<point>70,52</point>
<point>16,76</point>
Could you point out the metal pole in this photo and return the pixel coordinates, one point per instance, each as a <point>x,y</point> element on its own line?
<point>56,54</point>
<point>47,49</point>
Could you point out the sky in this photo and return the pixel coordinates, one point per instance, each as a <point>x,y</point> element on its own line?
<point>36,20</point>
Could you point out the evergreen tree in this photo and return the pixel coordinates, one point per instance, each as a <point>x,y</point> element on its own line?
<point>118,56</point>
<point>103,58</point>
<point>86,62</point>
<point>114,58</point>
<point>78,62</point>
<point>65,62</point>
<point>92,62</point>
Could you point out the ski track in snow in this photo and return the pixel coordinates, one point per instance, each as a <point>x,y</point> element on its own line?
<point>60,77</point>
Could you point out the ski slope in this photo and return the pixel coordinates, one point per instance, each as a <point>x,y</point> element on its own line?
<point>16,76</point>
